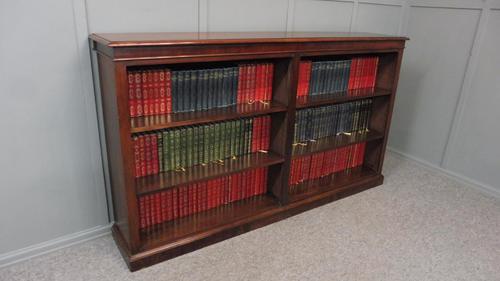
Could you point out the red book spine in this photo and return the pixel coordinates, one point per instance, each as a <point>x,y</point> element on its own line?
<point>151,92</point>
<point>302,78</point>
<point>248,82</point>
<point>215,192</point>
<point>192,199</point>
<point>163,200</point>
<point>253,182</point>
<point>175,203</point>
<point>291,178</point>
<point>265,82</point>
<point>201,196</point>
<point>294,173</point>
<point>205,196</point>
<point>313,168</point>
<point>163,92</point>
<point>154,153</point>
<point>137,157</point>
<point>152,209</point>
<point>362,151</point>
<point>258,95</point>
<point>267,133</point>
<point>215,188</point>
<point>256,134</point>
<point>308,78</point>
<point>249,183</point>
<point>241,84</point>
<point>262,182</point>
<point>145,92</point>
<point>305,166</point>
<point>149,156</point>
<point>227,189</point>
<point>185,196</point>
<point>159,215</point>
<point>242,191</point>
<point>138,93</point>
<point>220,191</point>
<point>147,210</point>
<point>253,82</point>
<point>132,102</point>
<point>264,176</point>
<point>168,79</point>
<point>156,92</point>
<point>269,83</point>
<point>210,195</point>
<point>142,212</point>
<point>198,197</point>
<point>365,72</point>
<point>142,152</point>
<point>169,209</point>
<point>374,72</point>
<point>352,77</point>
<point>345,158</point>
<point>234,187</point>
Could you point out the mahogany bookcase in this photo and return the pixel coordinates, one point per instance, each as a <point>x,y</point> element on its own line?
<point>116,53</point>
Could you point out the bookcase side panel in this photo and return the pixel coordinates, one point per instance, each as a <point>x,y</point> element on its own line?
<point>387,78</point>
<point>119,152</point>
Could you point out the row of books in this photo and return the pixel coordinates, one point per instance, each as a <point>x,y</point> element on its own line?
<point>179,148</point>
<point>198,197</point>
<point>158,91</point>
<point>319,122</point>
<point>325,163</point>
<point>341,77</point>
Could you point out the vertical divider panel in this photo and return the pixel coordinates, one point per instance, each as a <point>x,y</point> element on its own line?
<point>282,125</point>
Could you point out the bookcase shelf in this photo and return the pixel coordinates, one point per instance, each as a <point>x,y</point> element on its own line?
<point>158,122</point>
<point>140,73</point>
<point>333,183</point>
<point>154,183</point>
<point>208,221</point>
<point>333,142</point>
<point>341,97</point>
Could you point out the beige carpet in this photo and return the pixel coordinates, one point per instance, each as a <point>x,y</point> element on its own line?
<point>419,225</point>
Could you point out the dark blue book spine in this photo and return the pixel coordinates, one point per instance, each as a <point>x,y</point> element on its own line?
<point>211,82</point>
<point>194,90</point>
<point>234,88</point>
<point>175,98</point>
<point>199,90</point>
<point>205,95</point>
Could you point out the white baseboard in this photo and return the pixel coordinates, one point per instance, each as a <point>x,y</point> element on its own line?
<point>53,245</point>
<point>484,188</point>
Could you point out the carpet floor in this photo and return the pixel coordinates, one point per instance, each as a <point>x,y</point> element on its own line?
<point>419,225</point>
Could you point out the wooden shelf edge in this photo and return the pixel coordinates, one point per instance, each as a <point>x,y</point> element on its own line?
<point>332,99</point>
<point>158,254</point>
<point>171,179</point>
<point>160,122</point>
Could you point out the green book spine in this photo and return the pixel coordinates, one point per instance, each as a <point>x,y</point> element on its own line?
<point>159,139</point>
<point>195,153</point>
<point>234,138</point>
<point>171,149</point>
<point>177,148</point>
<point>201,145</point>
<point>217,149</point>
<point>206,143</point>
<point>189,147</point>
<point>211,141</point>
<point>166,151</point>
<point>239,136</point>
<point>248,135</point>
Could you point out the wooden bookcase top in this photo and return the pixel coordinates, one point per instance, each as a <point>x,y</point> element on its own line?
<point>203,38</point>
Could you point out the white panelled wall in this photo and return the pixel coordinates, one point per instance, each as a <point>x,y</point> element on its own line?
<point>52,185</point>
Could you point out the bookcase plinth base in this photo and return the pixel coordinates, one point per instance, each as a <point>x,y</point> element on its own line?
<point>148,257</point>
